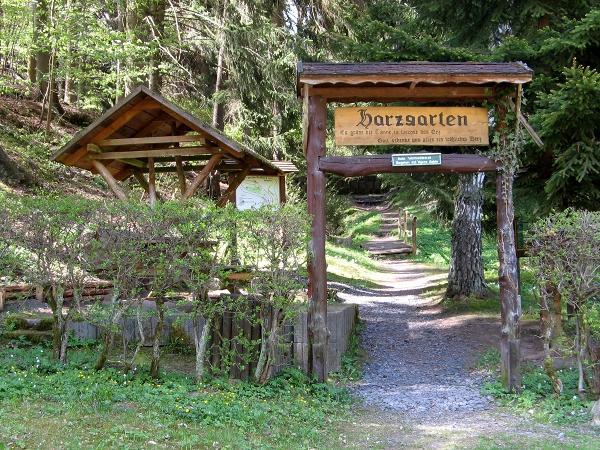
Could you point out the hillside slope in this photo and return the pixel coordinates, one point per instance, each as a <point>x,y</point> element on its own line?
<point>25,150</point>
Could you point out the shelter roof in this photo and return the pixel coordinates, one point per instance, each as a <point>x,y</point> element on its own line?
<point>144,124</point>
<point>398,73</point>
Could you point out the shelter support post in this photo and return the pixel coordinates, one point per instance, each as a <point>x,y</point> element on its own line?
<point>510,300</point>
<point>151,182</point>
<point>206,170</point>
<point>317,268</point>
<point>181,175</point>
<point>110,180</point>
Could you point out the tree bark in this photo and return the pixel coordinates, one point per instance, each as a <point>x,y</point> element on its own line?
<point>201,341</point>
<point>510,300</point>
<point>160,314</point>
<point>42,56</point>
<point>158,8</point>
<point>32,62</point>
<point>466,276</point>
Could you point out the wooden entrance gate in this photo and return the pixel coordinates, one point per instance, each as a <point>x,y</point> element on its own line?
<point>462,83</point>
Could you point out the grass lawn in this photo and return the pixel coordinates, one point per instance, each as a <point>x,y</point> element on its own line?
<point>43,405</point>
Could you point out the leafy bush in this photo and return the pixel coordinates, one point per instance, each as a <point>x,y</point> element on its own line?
<point>537,399</point>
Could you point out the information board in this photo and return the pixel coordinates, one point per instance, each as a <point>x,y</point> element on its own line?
<point>257,191</point>
<point>411,125</point>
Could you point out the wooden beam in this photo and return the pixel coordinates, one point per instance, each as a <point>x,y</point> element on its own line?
<point>151,140</point>
<point>317,268</point>
<point>155,153</point>
<point>133,162</point>
<point>110,180</point>
<point>196,182</point>
<point>350,94</point>
<point>180,175</point>
<point>233,185</point>
<point>354,166</point>
<point>196,167</point>
<point>151,183</point>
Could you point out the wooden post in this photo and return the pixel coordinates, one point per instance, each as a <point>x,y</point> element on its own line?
<point>2,295</point>
<point>110,180</point>
<point>151,183</point>
<point>206,170</point>
<point>282,190</point>
<point>510,300</point>
<point>414,236</point>
<point>181,175</point>
<point>317,268</point>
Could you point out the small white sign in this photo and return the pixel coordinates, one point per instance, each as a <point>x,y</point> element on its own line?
<point>417,159</point>
<point>257,191</point>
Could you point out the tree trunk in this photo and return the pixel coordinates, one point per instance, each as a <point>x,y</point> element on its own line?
<point>547,326</point>
<point>160,314</point>
<point>109,332</point>
<point>132,78</point>
<point>201,341</point>
<point>466,276</point>
<point>32,62</point>
<point>42,56</point>
<point>580,349</point>
<point>158,8</point>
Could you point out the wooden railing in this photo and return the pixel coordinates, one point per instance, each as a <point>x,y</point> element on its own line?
<point>407,228</point>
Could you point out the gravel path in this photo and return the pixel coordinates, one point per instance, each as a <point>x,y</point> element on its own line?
<point>417,359</point>
<point>417,362</point>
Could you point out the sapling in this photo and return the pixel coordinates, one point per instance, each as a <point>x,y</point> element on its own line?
<point>52,233</point>
<point>274,243</point>
<point>566,246</point>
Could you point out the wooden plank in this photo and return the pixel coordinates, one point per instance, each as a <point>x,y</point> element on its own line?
<point>196,182</point>
<point>180,175</point>
<point>351,94</point>
<point>110,180</point>
<point>154,153</point>
<point>412,125</point>
<point>151,140</point>
<point>151,183</point>
<point>233,185</point>
<point>354,166</point>
<point>317,272</point>
<point>510,300</point>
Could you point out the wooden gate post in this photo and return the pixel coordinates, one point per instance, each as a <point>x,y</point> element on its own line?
<point>317,268</point>
<point>510,300</point>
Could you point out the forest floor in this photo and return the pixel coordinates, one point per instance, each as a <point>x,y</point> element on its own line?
<point>419,387</point>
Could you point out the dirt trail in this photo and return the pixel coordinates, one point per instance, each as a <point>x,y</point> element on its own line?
<point>418,389</point>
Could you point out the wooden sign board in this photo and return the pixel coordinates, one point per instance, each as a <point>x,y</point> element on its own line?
<point>411,125</point>
<point>257,191</point>
<point>417,159</point>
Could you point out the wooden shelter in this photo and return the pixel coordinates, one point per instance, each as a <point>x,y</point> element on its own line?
<point>499,84</point>
<point>146,134</point>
